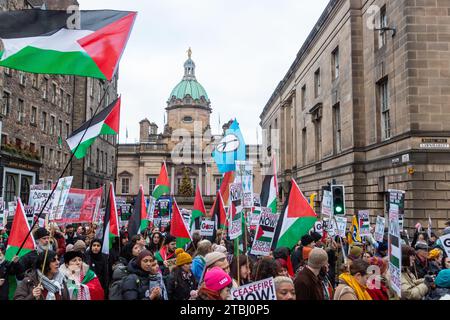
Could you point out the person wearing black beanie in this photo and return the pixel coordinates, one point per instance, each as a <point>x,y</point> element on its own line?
<point>98,261</point>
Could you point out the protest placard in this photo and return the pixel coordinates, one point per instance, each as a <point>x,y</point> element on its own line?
<point>207,228</point>
<point>445,241</point>
<point>235,221</point>
<point>318,227</point>
<point>260,290</point>
<point>379,229</point>
<point>326,209</point>
<point>244,176</point>
<point>395,254</point>
<point>235,192</point>
<point>341,224</point>
<point>264,233</point>
<point>61,194</point>
<point>364,223</point>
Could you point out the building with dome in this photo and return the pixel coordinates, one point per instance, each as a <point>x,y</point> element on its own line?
<point>185,144</point>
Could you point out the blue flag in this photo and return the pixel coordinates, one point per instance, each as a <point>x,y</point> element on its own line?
<point>230,149</point>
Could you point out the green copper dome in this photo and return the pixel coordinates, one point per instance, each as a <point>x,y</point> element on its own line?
<point>189,87</point>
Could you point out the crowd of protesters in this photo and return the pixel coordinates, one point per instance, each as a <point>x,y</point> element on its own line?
<point>69,264</point>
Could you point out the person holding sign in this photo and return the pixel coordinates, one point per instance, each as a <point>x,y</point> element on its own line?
<point>412,288</point>
<point>217,285</point>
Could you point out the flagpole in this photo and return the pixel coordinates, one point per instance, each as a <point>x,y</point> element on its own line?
<point>108,83</point>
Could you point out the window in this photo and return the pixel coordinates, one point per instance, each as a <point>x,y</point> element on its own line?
<point>151,184</point>
<point>7,71</point>
<point>60,133</point>
<point>25,182</point>
<point>67,130</point>
<point>51,157</point>
<point>125,185</point>
<point>22,78</point>
<point>102,159</point>
<point>318,134</point>
<point>187,119</point>
<point>383,92</point>
<point>44,121</point>
<point>106,163</point>
<point>304,146</point>
<point>45,91</point>
<point>303,97</point>
<point>21,110</point>
<point>35,81</point>
<point>54,92</point>
<point>59,159</point>
<point>218,183</point>
<point>317,83</point>
<point>33,115</point>
<point>61,98</point>
<point>335,63</point>
<point>52,125</point>
<point>383,24</point>
<point>32,147</point>
<point>337,129</point>
<point>11,186</point>
<point>42,153</point>
<point>98,159</point>
<point>6,107</point>
<point>68,103</point>
<point>4,139</point>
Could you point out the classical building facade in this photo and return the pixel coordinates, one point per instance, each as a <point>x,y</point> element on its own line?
<point>37,113</point>
<point>367,102</point>
<point>185,144</point>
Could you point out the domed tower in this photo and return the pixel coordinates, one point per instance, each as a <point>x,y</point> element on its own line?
<point>188,103</point>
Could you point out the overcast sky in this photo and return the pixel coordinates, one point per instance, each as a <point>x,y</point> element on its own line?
<point>242,49</point>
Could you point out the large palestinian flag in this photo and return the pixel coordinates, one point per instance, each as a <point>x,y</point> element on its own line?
<point>296,219</point>
<point>162,183</point>
<point>110,221</point>
<point>51,42</point>
<point>198,211</point>
<point>269,188</point>
<point>178,227</point>
<point>19,232</point>
<point>106,122</point>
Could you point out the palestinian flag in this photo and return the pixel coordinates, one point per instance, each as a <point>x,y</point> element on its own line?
<point>224,190</point>
<point>198,211</point>
<point>269,188</point>
<point>219,214</point>
<point>138,220</point>
<point>162,186</point>
<point>296,219</point>
<point>105,122</point>
<point>110,222</point>
<point>178,227</point>
<point>19,231</point>
<point>43,41</point>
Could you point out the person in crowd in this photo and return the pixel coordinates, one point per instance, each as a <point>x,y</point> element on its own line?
<point>382,250</point>
<point>181,281</point>
<point>284,287</point>
<point>144,281</point>
<point>129,252</point>
<point>58,237</point>
<point>356,252</point>
<point>353,285</point>
<point>442,289</point>
<point>282,270</point>
<point>317,239</point>
<point>44,281</point>
<point>139,239</point>
<point>217,285</point>
<point>435,261</point>
<point>445,262</point>
<point>240,267</point>
<point>70,235</point>
<point>284,254</point>
<point>80,246</point>
<point>81,233</point>
<point>412,288</point>
<point>216,259</point>
<point>327,286</point>
<point>192,246</point>
<point>366,256</point>
<point>421,261</point>
<point>264,268</point>
<point>298,254</point>
<point>27,262</point>
<point>167,254</point>
<point>198,263</point>
<point>7,269</point>
<point>156,241</point>
<point>98,262</point>
<point>308,285</point>
<point>377,285</point>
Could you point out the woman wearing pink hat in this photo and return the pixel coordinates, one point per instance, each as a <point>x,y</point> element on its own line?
<point>217,285</point>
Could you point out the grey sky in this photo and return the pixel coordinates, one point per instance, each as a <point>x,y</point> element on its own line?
<point>242,49</point>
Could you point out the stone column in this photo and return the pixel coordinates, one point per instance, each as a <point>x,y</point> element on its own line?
<point>208,180</point>
<point>200,175</point>
<point>172,180</point>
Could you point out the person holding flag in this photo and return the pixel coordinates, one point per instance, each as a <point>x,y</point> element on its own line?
<point>98,262</point>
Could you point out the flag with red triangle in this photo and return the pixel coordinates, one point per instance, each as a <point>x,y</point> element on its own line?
<point>198,211</point>
<point>110,222</point>
<point>224,189</point>
<point>178,227</point>
<point>296,219</point>
<point>19,231</point>
<point>219,214</point>
<point>162,186</point>
<point>138,220</point>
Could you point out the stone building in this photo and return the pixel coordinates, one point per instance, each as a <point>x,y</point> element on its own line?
<point>367,102</point>
<point>185,143</point>
<point>37,113</point>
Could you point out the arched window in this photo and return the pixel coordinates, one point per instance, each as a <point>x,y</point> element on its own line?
<point>24,189</point>
<point>11,185</point>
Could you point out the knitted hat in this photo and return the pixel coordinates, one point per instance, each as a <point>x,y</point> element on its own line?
<point>216,279</point>
<point>182,257</point>
<point>434,254</point>
<point>219,248</point>
<point>213,257</point>
<point>142,255</point>
<point>421,246</point>
<point>443,279</point>
<point>69,255</point>
<point>79,246</point>
<point>355,253</point>
<point>305,253</point>
<point>40,233</point>
<point>316,236</point>
<point>306,240</point>
<point>317,258</point>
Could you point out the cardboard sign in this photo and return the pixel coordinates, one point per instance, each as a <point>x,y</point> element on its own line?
<point>61,194</point>
<point>341,225</point>
<point>330,227</point>
<point>364,223</point>
<point>326,208</point>
<point>207,228</point>
<point>37,200</point>
<point>235,222</point>
<point>256,200</point>
<point>395,253</point>
<point>260,290</point>
<point>11,208</point>
<point>265,233</point>
<point>244,176</point>
<point>235,192</point>
<point>256,214</point>
<point>379,229</point>
<point>445,241</point>
<point>318,227</point>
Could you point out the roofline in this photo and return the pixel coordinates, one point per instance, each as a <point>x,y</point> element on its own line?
<point>301,53</point>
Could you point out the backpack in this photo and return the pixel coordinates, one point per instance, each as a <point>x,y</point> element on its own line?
<point>115,289</point>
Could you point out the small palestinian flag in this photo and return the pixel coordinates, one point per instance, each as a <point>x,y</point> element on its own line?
<point>178,227</point>
<point>58,42</point>
<point>105,122</point>
<point>138,220</point>
<point>198,211</point>
<point>224,189</point>
<point>110,222</point>
<point>269,189</point>
<point>162,186</point>
<point>219,215</point>
<point>296,219</point>
<point>19,232</point>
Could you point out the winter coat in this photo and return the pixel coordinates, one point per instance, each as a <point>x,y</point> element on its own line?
<point>7,269</point>
<point>434,267</point>
<point>197,267</point>
<point>308,286</point>
<point>379,294</point>
<point>99,264</point>
<point>24,290</point>
<point>179,286</point>
<point>437,293</point>
<point>297,258</point>
<point>345,292</point>
<point>422,268</point>
<point>412,288</point>
<point>137,285</point>
<point>27,263</point>
<point>89,281</point>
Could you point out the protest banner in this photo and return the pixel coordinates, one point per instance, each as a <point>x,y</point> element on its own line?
<point>265,233</point>
<point>61,195</point>
<point>379,229</point>
<point>244,176</point>
<point>235,221</point>
<point>235,192</point>
<point>395,254</point>
<point>207,228</point>
<point>11,208</point>
<point>260,290</point>
<point>326,207</point>
<point>364,223</point>
<point>81,206</point>
<point>397,197</point>
<point>445,241</point>
<point>318,227</point>
<point>341,225</point>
